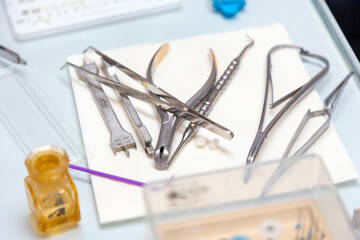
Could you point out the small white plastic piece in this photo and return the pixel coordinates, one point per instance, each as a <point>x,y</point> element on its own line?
<point>200,142</point>
<point>214,144</point>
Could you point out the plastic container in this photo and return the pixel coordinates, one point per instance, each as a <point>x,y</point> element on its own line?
<point>301,204</point>
<point>31,117</point>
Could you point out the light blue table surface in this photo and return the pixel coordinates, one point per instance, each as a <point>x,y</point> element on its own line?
<point>46,55</point>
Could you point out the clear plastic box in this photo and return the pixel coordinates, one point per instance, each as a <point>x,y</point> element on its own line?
<point>30,116</point>
<point>301,204</point>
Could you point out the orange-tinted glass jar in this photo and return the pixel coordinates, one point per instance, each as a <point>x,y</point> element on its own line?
<point>50,191</point>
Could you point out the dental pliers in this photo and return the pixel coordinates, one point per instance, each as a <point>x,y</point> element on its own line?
<point>169,123</point>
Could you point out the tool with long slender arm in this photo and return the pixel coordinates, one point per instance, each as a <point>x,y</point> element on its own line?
<point>329,105</point>
<point>139,127</point>
<point>167,102</point>
<point>206,107</point>
<point>120,139</point>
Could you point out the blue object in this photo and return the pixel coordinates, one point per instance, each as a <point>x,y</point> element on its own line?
<point>228,8</point>
<point>240,237</point>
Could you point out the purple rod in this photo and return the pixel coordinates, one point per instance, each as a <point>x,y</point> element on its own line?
<point>106,175</point>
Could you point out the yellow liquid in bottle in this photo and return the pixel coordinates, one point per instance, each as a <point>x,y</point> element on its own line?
<point>50,191</point>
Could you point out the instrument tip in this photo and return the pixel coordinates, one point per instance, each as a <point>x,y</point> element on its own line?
<point>161,157</point>
<point>149,149</point>
<point>247,174</point>
<point>181,144</point>
<point>250,39</point>
<point>63,66</point>
<point>127,151</point>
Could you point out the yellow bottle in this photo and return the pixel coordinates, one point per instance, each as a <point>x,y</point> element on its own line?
<point>50,191</point>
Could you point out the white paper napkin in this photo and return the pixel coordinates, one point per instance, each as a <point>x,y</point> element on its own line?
<point>181,73</point>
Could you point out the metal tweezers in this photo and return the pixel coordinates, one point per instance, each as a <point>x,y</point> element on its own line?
<point>329,105</point>
<point>166,102</point>
<point>11,55</point>
<point>293,97</point>
<point>169,124</point>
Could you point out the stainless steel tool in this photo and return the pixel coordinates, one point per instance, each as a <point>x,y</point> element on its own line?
<point>169,124</point>
<point>11,56</point>
<point>120,139</point>
<point>139,127</point>
<point>167,102</point>
<point>329,105</point>
<point>206,107</point>
<point>293,97</point>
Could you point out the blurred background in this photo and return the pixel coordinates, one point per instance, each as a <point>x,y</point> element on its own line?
<point>347,14</point>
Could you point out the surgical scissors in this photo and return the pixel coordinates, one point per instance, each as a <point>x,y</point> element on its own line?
<point>329,105</point>
<point>293,97</point>
<point>169,124</point>
<point>167,102</point>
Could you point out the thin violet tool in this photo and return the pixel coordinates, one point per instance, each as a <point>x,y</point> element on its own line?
<point>329,105</point>
<point>293,98</point>
<point>120,179</point>
<point>106,175</point>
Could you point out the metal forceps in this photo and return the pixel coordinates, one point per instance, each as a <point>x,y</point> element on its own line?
<point>329,105</point>
<point>293,97</point>
<point>167,102</point>
<point>211,99</point>
<point>169,124</point>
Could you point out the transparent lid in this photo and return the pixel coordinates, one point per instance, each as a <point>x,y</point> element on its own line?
<point>31,117</point>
